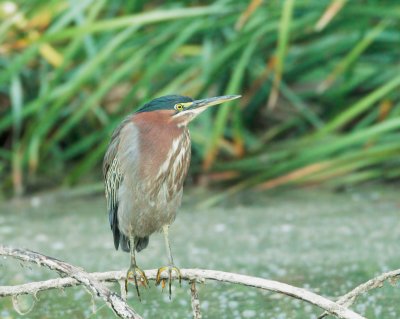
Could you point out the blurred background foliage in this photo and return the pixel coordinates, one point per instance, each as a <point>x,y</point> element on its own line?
<point>320,83</point>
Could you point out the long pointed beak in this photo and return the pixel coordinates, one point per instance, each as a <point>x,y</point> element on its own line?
<point>213,101</point>
<point>193,109</point>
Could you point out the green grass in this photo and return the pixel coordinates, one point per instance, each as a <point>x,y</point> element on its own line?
<point>312,92</point>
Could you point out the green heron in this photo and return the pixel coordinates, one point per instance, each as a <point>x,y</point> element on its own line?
<point>144,169</point>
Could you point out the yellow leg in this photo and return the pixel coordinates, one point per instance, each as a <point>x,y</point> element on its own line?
<point>170,268</point>
<point>134,272</point>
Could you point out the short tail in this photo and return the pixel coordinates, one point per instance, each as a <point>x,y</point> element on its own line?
<point>140,243</point>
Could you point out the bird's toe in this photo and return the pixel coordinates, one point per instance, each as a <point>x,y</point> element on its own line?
<point>168,273</point>
<point>138,277</point>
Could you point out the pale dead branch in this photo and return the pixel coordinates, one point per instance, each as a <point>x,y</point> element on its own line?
<point>77,277</point>
<point>195,300</point>
<point>114,301</point>
<point>348,299</point>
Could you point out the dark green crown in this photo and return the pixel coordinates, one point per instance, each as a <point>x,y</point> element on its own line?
<point>166,102</point>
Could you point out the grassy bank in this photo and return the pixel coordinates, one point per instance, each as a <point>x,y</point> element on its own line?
<point>320,84</point>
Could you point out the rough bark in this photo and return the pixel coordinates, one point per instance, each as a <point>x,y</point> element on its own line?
<point>348,299</point>
<point>195,300</point>
<point>114,301</point>
<point>77,276</point>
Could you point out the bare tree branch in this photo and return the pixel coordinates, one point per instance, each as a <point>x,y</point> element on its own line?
<point>195,300</point>
<point>348,299</point>
<point>78,276</point>
<point>114,301</point>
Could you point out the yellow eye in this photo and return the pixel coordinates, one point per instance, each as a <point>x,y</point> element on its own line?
<point>179,107</point>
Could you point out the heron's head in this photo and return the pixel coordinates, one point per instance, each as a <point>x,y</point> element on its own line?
<point>182,109</point>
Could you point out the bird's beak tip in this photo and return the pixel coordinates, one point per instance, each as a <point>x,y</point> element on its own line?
<point>215,100</point>
<point>234,97</point>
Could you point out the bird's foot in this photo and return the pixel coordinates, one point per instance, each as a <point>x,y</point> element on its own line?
<point>170,269</point>
<point>139,278</point>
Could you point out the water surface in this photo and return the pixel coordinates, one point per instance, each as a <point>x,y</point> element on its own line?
<point>326,242</point>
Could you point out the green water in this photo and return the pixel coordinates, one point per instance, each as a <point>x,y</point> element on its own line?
<point>322,241</point>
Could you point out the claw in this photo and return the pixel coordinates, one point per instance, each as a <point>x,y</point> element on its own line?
<point>163,282</point>
<point>170,269</point>
<point>138,276</point>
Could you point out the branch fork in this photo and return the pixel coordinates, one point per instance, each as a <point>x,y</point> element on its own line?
<point>95,283</point>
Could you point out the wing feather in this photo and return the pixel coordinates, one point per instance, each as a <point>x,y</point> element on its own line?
<point>112,179</point>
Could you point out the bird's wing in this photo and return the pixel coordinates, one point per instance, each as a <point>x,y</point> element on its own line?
<point>112,179</point>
